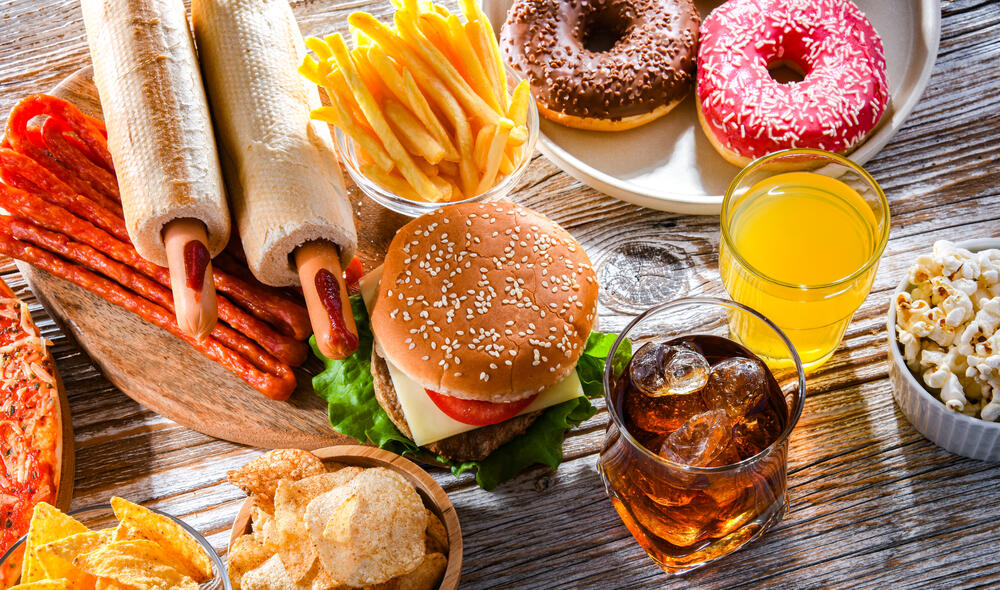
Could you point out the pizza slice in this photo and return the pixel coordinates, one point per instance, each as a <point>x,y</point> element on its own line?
<point>30,424</point>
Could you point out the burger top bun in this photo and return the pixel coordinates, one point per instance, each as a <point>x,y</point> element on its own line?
<point>485,301</point>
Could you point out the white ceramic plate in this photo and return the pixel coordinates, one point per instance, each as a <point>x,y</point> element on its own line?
<point>669,164</point>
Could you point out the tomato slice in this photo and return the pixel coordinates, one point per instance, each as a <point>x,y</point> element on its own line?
<point>353,273</point>
<point>475,412</point>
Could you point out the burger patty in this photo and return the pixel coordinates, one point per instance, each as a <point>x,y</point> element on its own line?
<point>473,445</point>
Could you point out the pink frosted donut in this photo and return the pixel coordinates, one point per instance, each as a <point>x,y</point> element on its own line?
<point>747,114</point>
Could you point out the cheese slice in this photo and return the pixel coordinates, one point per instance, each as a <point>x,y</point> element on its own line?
<point>426,421</point>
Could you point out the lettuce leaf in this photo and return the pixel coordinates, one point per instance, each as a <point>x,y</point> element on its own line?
<point>347,387</point>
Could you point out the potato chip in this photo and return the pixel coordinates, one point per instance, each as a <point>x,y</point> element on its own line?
<point>369,530</point>
<point>263,524</point>
<point>47,524</point>
<point>57,557</point>
<point>186,553</point>
<point>436,536</point>
<point>247,553</point>
<point>140,564</point>
<point>271,575</point>
<point>59,584</point>
<point>290,501</point>
<point>427,576</point>
<point>261,475</point>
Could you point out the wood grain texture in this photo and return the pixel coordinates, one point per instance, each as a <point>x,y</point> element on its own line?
<point>873,504</point>
<point>430,491</point>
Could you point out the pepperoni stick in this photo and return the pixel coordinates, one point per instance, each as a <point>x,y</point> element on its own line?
<point>69,156</point>
<point>278,385</point>
<point>18,136</point>
<point>57,192</point>
<point>287,316</point>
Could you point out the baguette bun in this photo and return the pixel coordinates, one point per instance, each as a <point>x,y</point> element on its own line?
<point>159,128</point>
<point>485,301</point>
<point>283,176</point>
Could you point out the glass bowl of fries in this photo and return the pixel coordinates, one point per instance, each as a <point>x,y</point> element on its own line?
<point>100,518</point>
<point>390,190</point>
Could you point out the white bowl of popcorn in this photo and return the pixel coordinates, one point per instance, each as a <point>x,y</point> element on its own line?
<point>944,350</point>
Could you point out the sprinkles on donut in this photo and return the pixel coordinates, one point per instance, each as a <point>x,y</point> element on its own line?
<point>603,65</point>
<point>747,114</point>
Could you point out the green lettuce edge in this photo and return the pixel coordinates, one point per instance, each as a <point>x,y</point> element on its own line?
<point>347,387</point>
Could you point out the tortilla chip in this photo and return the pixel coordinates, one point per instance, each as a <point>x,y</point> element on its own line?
<point>290,501</point>
<point>57,557</point>
<point>139,564</point>
<point>47,524</point>
<point>247,553</point>
<point>369,530</point>
<point>187,554</point>
<point>436,537</point>
<point>106,584</point>
<point>260,477</point>
<point>59,584</point>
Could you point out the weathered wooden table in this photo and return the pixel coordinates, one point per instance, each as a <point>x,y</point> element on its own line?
<point>873,504</point>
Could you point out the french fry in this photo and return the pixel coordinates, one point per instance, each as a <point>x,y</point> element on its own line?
<point>506,165</point>
<point>446,168</point>
<point>413,135</point>
<point>419,44</point>
<point>391,182</point>
<point>518,109</point>
<point>471,67</point>
<point>375,118</point>
<point>473,32</point>
<point>435,28</point>
<point>468,176</point>
<point>337,115</point>
<point>405,90</point>
<point>452,152</point>
<point>443,186</point>
<point>474,13</point>
<point>319,47</point>
<point>483,139</point>
<point>368,75</point>
<point>497,146</point>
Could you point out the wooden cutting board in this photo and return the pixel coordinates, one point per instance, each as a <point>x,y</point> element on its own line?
<point>169,377</point>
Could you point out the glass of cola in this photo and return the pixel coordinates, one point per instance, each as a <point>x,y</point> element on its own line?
<point>695,454</point>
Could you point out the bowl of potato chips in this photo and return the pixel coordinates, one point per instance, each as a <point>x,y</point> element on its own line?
<point>342,517</point>
<point>113,546</point>
<point>425,112</point>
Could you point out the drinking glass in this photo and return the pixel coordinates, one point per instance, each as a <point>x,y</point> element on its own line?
<point>811,292</point>
<point>685,516</point>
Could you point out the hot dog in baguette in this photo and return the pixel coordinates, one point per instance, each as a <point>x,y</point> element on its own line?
<point>160,136</point>
<point>287,193</point>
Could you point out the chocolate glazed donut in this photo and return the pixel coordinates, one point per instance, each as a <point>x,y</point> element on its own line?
<point>604,64</point>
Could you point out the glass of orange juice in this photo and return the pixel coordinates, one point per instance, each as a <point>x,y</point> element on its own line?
<point>802,233</point>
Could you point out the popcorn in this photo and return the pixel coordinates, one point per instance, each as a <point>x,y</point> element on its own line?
<point>948,325</point>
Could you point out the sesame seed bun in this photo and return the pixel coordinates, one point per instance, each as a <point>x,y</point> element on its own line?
<point>485,301</point>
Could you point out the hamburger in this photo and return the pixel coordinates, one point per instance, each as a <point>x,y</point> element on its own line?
<point>481,353</point>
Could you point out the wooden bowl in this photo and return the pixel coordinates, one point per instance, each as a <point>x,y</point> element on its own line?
<point>430,492</point>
